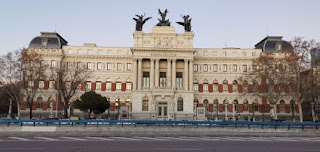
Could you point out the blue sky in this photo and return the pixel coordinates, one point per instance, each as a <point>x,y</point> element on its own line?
<point>216,24</point>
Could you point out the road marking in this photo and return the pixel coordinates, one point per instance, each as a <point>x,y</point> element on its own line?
<point>22,139</point>
<point>210,138</point>
<point>99,138</point>
<point>46,138</point>
<point>124,138</point>
<point>149,138</point>
<point>73,138</point>
<point>258,139</point>
<point>284,139</point>
<point>235,139</point>
<point>6,149</point>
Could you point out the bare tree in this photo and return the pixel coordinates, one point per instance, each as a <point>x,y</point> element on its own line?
<point>303,47</point>
<point>11,76</point>
<point>68,77</point>
<point>276,74</point>
<point>33,71</point>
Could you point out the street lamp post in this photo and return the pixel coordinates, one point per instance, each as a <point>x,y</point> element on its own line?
<point>10,108</point>
<point>292,111</point>
<point>262,110</point>
<point>217,108</point>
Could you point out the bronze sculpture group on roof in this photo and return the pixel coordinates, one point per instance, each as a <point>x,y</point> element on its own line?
<point>163,21</point>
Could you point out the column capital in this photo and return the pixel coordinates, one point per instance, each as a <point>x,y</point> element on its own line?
<point>140,59</point>
<point>135,59</point>
<point>174,60</point>
<point>191,60</point>
<point>152,59</point>
<point>157,59</point>
<point>169,60</point>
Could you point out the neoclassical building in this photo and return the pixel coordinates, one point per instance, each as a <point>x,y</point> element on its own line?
<point>161,77</point>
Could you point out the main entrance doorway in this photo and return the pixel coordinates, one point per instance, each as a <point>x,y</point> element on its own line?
<point>162,110</point>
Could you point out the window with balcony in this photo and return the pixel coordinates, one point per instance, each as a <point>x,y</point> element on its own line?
<point>109,66</point>
<point>79,65</point>
<point>225,85</point>
<point>99,66</point>
<point>205,85</point>
<point>128,66</point>
<point>180,104</point>
<point>162,79</point>
<point>89,65</point>
<point>119,66</point>
<point>215,85</point>
<point>118,84</point>
<point>234,68</point>
<point>128,84</point>
<point>146,79</point>
<point>179,83</point>
<point>108,84</point>
<point>205,68</point>
<point>244,68</point>
<point>215,68</point>
<point>195,67</point>
<point>224,67</point>
<point>195,85</point>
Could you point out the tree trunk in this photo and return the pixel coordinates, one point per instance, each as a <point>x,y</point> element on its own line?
<point>18,110</point>
<point>300,112</point>
<point>275,111</point>
<point>65,109</point>
<point>30,110</point>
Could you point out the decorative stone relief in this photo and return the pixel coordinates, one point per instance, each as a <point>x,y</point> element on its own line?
<point>163,42</point>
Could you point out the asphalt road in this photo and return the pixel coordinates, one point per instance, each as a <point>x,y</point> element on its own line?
<point>158,144</point>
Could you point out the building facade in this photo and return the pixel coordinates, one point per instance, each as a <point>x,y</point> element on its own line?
<point>161,77</point>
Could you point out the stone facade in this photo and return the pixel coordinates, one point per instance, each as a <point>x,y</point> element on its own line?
<point>162,77</point>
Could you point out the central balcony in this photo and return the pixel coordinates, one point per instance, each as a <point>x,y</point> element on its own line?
<point>163,88</point>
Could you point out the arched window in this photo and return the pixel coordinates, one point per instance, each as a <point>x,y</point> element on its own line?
<point>205,85</point>
<point>245,86</point>
<point>118,84</point>
<point>98,84</point>
<point>234,86</point>
<point>256,105</point>
<point>145,104</point>
<point>245,105</point>
<point>180,104</point>
<point>225,85</point>
<point>195,85</point>
<point>128,84</point>
<point>51,83</point>
<point>39,102</point>
<point>282,106</point>
<point>255,86</point>
<point>108,84</point>
<point>215,105</point>
<point>292,106</point>
<point>206,105</point>
<point>215,85</point>
<point>236,107</point>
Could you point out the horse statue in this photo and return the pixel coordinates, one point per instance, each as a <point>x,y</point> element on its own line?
<point>140,21</point>
<point>186,23</point>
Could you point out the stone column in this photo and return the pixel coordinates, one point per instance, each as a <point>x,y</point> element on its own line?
<point>233,112</point>
<point>139,73</point>
<point>191,76</point>
<point>174,74</point>
<point>168,72</point>
<point>226,112</point>
<point>151,74</point>
<point>185,79</point>
<point>157,73</point>
<point>135,74</point>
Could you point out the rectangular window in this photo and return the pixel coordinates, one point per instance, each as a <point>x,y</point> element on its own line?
<point>145,79</point>
<point>205,68</point>
<point>128,86</point>
<point>244,68</point>
<point>88,86</point>
<point>180,105</point>
<point>79,65</point>
<point>162,78</point>
<point>234,54</point>
<point>51,84</point>
<point>179,80</point>
<point>205,87</point>
<point>108,85</point>
<point>195,67</point>
<point>205,53</point>
<point>109,66</point>
<point>89,51</point>
<point>31,83</point>
<point>253,53</point>
<point>89,65</point>
<point>99,66</point>
<point>256,107</point>
<point>128,66</point>
<point>215,68</point>
<point>145,105</point>
<point>119,66</point>
<point>254,68</point>
<point>234,68</point>
<point>215,53</point>
<point>195,53</point>
<point>129,52</point>
<point>244,54</point>
<point>53,64</point>
<point>41,84</point>
<point>215,87</point>
<point>224,68</point>
<point>119,52</point>
<point>195,86</point>
<point>224,53</point>
<point>109,52</point>
<point>69,51</point>
<point>98,85</point>
<point>99,52</point>
<point>79,51</point>
<point>69,65</point>
<point>118,86</point>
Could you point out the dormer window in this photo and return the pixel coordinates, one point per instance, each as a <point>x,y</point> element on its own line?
<point>278,46</point>
<point>44,42</point>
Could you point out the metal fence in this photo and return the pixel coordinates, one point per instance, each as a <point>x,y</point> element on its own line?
<point>144,123</point>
